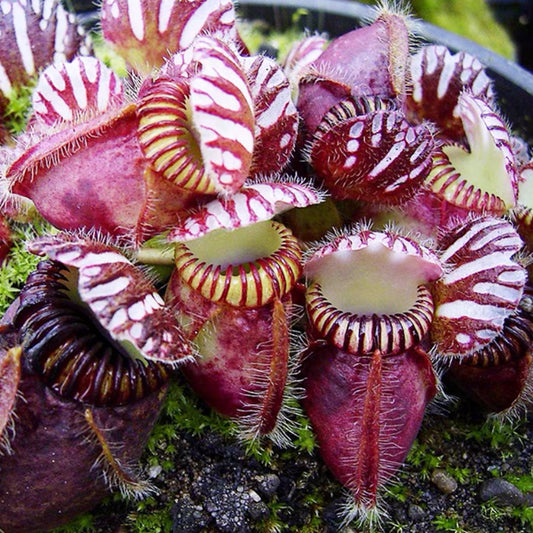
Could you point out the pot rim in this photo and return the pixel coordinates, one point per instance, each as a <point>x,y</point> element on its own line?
<point>424,30</point>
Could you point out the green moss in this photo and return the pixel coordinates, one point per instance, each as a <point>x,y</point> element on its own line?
<point>305,438</point>
<point>464,475</point>
<point>450,523</point>
<point>184,411</point>
<point>17,108</point>
<point>524,483</point>
<point>20,262</point>
<point>498,433</point>
<point>397,527</point>
<point>495,512</point>
<point>423,459</point>
<point>398,492</point>
<point>274,522</point>
<point>525,515</point>
<point>148,519</point>
<point>81,524</point>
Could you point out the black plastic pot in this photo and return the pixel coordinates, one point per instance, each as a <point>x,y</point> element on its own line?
<point>514,85</point>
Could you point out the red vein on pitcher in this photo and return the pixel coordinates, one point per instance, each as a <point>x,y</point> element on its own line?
<point>35,34</point>
<point>251,283</point>
<point>253,203</point>
<point>438,78</point>
<point>481,287</point>
<point>119,295</point>
<point>198,129</point>
<point>276,118</point>
<point>481,176</point>
<point>146,32</point>
<point>70,90</point>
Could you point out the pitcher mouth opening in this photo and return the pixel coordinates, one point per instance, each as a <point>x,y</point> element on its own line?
<point>363,334</point>
<point>246,267</point>
<point>69,350</point>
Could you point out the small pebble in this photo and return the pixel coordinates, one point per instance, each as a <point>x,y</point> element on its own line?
<point>154,471</point>
<point>416,513</point>
<point>268,485</point>
<point>187,518</point>
<point>443,481</point>
<point>254,496</point>
<point>258,510</point>
<point>502,492</point>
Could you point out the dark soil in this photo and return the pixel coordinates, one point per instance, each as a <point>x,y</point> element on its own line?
<point>211,485</point>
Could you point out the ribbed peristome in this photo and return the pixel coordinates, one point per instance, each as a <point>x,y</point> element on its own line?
<point>248,267</point>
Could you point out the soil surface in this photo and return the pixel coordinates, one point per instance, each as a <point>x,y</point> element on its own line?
<point>209,484</point>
